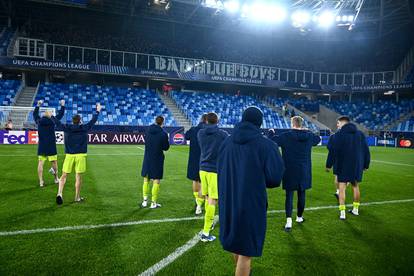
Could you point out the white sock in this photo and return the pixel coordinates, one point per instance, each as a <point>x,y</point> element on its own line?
<point>288,223</point>
<point>337,191</point>
<point>145,198</point>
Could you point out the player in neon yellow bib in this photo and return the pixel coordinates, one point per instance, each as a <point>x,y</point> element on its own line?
<point>77,161</point>
<point>76,147</point>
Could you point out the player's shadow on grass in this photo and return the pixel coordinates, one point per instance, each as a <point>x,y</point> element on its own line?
<point>26,218</point>
<point>18,191</point>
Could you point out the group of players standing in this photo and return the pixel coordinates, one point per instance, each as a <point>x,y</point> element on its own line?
<point>231,171</point>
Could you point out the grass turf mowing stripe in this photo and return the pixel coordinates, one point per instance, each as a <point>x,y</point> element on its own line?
<point>375,160</point>
<point>129,223</point>
<point>89,154</point>
<point>175,255</point>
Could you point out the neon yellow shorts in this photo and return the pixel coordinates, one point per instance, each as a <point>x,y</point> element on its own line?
<point>48,158</point>
<point>209,184</point>
<point>75,160</point>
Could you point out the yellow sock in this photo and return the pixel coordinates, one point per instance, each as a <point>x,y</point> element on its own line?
<point>145,188</point>
<point>209,218</point>
<point>342,208</point>
<point>356,205</point>
<point>155,191</point>
<point>199,200</point>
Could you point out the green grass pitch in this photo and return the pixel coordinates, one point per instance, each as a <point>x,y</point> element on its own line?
<point>378,242</point>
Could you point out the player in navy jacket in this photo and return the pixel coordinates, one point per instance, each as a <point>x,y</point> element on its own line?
<point>156,142</point>
<point>210,139</point>
<point>296,147</point>
<point>248,164</point>
<point>331,160</point>
<point>193,167</point>
<point>349,152</point>
<point>76,148</point>
<point>46,149</point>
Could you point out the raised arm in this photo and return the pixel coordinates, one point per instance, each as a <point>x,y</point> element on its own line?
<point>92,122</point>
<point>274,166</point>
<point>36,116</point>
<point>59,116</point>
<point>58,123</point>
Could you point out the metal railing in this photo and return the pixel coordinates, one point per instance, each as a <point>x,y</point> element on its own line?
<point>35,48</point>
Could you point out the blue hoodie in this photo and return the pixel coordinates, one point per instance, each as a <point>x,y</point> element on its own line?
<point>210,139</point>
<point>76,136</point>
<point>296,151</point>
<point>349,152</point>
<point>193,166</point>
<point>46,132</point>
<point>248,164</point>
<point>156,142</point>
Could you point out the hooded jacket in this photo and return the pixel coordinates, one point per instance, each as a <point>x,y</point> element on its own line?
<point>156,142</point>
<point>193,167</point>
<point>248,163</point>
<point>296,148</point>
<point>46,132</point>
<point>210,139</point>
<point>349,152</point>
<point>76,136</point>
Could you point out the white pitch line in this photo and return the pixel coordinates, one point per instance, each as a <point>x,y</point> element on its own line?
<point>174,255</point>
<point>89,154</point>
<point>139,222</point>
<point>141,148</point>
<point>375,160</point>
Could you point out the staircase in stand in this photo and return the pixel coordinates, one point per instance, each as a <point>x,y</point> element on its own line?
<point>24,99</point>
<point>176,112</point>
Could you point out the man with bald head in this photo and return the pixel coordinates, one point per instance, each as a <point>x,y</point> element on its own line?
<point>47,141</point>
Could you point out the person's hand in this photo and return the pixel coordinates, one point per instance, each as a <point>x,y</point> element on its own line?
<point>39,103</point>
<point>327,169</point>
<point>62,102</point>
<point>98,107</point>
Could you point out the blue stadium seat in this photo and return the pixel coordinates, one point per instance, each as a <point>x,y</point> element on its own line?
<point>374,116</point>
<point>228,107</point>
<point>406,126</point>
<point>8,90</point>
<point>122,106</point>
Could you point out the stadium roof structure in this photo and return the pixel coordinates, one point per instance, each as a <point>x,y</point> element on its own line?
<point>371,18</point>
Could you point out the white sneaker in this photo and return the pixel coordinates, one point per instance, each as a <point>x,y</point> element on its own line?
<point>52,171</point>
<point>288,224</point>
<point>198,210</point>
<point>155,205</point>
<point>354,212</point>
<point>342,215</point>
<point>300,219</point>
<point>144,204</point>
<point>42,184</point>
<point>56,181</point>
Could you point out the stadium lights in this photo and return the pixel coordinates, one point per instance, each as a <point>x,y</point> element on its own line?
<point>300,18</point>
<point>263,12</point>
<point>326,19</point>
<point>232,6</point>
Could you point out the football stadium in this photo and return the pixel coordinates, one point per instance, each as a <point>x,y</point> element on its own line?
<point>206,137</point>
